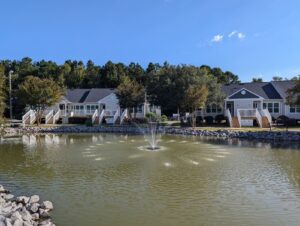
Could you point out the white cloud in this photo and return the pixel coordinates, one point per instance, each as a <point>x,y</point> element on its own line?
<point>217,38</point>
<point>237,34</point>
<point>240,35</point>
<point>232,34</point>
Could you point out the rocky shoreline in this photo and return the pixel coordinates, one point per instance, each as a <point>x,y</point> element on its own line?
<point>23,210</point>
<point>223,133</point>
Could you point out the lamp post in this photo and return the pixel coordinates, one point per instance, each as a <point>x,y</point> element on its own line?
<point>10,96</point>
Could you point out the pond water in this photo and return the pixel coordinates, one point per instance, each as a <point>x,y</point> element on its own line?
<point>106,179</point>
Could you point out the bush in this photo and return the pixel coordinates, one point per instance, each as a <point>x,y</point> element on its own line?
<point>163,118</point>
<point>282,119</point>
<point>220,118</point>
<point>129,121</point>
<point>89,122</point>
<point>151,116</point>
<point>209,119</point>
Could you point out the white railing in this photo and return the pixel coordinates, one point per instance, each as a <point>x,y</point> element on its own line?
<point>32,117</point>
<point>228,114</point>
<point>48,116</point>
<point>26,117</point>
<point>238,115</point>
<point>56,116</point>
<point>101,116</point>
<point>123,116</point>
<point>116,116</point>
<point>266,113</point>
<point>258,117</point>
<point>95,115</point>
<point>245,113</point>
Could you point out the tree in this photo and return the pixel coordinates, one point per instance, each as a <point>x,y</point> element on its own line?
<point>2,93</point>
<point>277,78</point>
<point>195,97</point>
<point>257,80</point>
<point>293,97</point>
<point>39,94</point>
<point>130,94</point>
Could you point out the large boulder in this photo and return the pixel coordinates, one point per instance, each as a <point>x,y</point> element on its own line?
<point>47,205</point>
<point>34,199</point>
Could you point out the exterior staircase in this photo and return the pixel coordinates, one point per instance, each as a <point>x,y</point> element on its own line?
<point>235,122</point>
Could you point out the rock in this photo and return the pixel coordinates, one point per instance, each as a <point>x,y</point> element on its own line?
<point>23,199</point>
<point>44,214</point>
<point>48,205</point>
<point>35,216</point>
<point>2,223</point>
<point>8,222</point>
<point>34,199</point>
<point>18,222</point>
<point>9,196</point>
<point>34,207</point>
<point>25,223</point>
<point>16,216</point>
<point>3,190</point>
<point>26,216</point>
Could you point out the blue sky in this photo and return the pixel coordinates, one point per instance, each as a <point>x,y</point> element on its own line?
<point>257,38</point>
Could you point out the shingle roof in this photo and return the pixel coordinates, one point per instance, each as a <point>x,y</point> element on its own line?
<point>87,95</point>
<point>263,89</point>
<point>283,86</point>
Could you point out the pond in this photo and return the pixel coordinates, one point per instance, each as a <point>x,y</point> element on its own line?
<point>106,179</point>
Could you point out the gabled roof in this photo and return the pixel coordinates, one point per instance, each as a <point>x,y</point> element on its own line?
<point>262,89</point>
<point>283,86</point>
<point>87,95</point>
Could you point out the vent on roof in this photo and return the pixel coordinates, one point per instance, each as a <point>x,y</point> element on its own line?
<point>84,96</point>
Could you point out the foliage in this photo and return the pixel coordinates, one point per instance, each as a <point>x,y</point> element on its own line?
<point>2,93</point>
<point>39,94</point>
<point>130,94</point>
<point>165,83</point>
<point>220,118</point>
<point>163,118</point>
<point>209,119</point>
<point>257,80</point>
<point>293,97</point>
<point>151,116</point>
<point>195,97</point>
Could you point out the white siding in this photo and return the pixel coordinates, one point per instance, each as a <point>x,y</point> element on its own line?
<point>111,102</point>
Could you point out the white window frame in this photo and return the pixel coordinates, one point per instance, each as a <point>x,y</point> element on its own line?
<point>297,109</point>
<point>274,102</point>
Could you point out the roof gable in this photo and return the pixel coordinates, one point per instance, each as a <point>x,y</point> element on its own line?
<point>87,95</point>
<point>243,94</point>
<point>264,90</point>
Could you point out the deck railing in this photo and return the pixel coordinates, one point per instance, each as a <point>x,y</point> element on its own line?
<point>95,115</point>
<point>123,116</point>
<point>32,117</point>
<point>48,116</point>
<point>258,117</point>
<point>247,113</point>
<point>116,116</point>
<point>26,117</point>
<point>266,113</point>
<point>228,114</point>
<point>101,116</point>
<point>239,117</point>
<point>56,116</point>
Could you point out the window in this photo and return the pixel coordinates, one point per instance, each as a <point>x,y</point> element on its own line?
<point>295,109</point>
<point>139,109</point>
<point>273,107</point>
<point>213,108</point>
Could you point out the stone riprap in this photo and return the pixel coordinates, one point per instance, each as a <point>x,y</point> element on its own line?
<point>23,210</point>
<point>224,133</point>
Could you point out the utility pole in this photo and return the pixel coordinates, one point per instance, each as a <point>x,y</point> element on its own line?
<point>10,96</point>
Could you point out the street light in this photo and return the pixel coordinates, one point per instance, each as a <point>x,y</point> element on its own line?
<point>10,96</point>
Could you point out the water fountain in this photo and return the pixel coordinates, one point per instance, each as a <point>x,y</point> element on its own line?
<point>151,136</point>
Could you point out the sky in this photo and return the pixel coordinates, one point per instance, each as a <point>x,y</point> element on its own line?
<point>251,38</point>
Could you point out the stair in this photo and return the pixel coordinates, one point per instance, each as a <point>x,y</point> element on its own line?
<point>265,122</point>
<point>235,122</point>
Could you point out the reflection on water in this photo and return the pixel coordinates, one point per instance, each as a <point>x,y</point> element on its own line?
<point>107,179</point>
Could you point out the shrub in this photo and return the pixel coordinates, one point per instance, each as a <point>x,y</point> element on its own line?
<point>220,118</point>
<point>151,116</point>
<point>89,122</point>
<point>282,119</point>
<point>163,118</point>
<point>209,119</point>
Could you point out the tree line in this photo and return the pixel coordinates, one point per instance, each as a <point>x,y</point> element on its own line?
<point>176,88</point>
<point>165,84</point>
